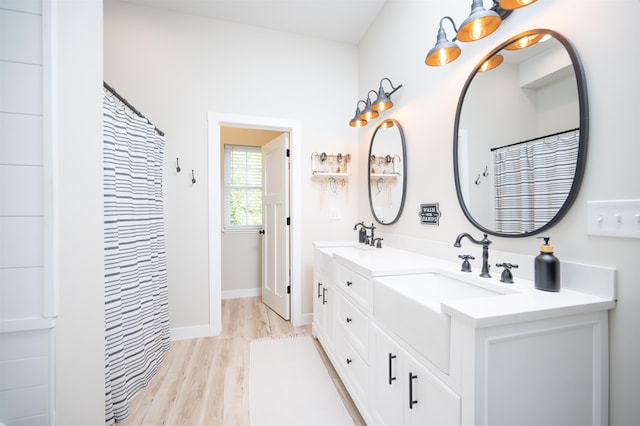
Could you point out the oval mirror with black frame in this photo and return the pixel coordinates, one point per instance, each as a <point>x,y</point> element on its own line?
<point>520,136</point>
<point>387,172</point>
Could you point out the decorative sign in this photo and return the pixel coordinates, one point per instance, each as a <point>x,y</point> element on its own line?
<point>430,214</point>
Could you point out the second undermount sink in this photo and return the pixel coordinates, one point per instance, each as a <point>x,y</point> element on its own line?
<point>409,306</point>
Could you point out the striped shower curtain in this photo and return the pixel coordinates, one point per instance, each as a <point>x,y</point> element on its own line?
<point>533,180</point>
<point>136,298</point>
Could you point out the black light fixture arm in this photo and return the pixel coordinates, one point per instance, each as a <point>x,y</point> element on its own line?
<point>394,89</point>
<point>453,24</point>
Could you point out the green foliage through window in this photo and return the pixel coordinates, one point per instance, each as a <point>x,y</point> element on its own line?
<point>242,187</point>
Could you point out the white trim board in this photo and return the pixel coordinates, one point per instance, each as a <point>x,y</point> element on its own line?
<point>217,120</point>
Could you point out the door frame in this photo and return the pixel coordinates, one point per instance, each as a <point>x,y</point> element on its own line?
<point>293,127</point>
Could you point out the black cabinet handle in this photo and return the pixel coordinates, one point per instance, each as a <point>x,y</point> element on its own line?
<point>391,376</point>
<point>412,401</point>
<point>349,320</point>
<point>349,283</point>
<point>261,232</point>
<point>319,294</point>
<point>324,295</point>
<point>349,361</point>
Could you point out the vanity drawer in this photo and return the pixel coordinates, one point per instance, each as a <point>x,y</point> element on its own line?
<point>355,285</point>
<point>355,323</point>
<point>353,369</point>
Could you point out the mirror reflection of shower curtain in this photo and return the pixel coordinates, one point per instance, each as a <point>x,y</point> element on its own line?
<point>532,181</point>
<point>136,298</point>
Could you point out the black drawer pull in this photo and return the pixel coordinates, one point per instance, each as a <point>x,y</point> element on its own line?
<point>349,283</point>
<point>319,294</point>
<point>349,361</point>
<point>412,401</point>
<point>349,320</point>
<point>391,376</point>
<point>324,295</point>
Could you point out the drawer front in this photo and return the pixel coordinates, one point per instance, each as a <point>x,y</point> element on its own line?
<point>355,323</point>
<point>355,285</point>
<point>353,369</point>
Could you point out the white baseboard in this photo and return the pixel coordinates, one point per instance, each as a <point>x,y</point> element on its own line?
<point>306,319</point>
<point>242,293</point>
<point>193,332</point>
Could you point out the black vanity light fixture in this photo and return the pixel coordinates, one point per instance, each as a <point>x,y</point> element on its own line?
<point>372,110</point>
<point>479,24</point>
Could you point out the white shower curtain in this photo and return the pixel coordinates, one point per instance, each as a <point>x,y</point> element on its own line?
<point>136,298</point>
<point>533,180</point>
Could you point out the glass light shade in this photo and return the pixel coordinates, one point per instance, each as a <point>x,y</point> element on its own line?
<point>491,63</point>
<point>479,24</point>
<point>524,42</point>
<point>515,4</point>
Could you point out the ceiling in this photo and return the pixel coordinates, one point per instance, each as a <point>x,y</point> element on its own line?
<point>338,20</point>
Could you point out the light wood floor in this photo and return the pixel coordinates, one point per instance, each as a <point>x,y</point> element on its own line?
<point>204,382</point>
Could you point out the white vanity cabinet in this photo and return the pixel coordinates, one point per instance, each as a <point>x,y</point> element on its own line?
<point>323,298</point>
<point>404,391</point>
<point>417,342</point>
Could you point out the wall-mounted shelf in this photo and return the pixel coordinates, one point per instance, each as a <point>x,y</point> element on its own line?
<point>384,176</point>
<point>330,166</point>
<point>327,175</point>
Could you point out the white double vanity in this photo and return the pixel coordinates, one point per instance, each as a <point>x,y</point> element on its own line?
<point>418,342</point>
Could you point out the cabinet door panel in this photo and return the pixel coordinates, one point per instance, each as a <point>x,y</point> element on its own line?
<point>388,381</point>
<point>433,402</point>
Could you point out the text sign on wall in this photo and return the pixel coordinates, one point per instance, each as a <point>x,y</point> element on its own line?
<point>430,214</point>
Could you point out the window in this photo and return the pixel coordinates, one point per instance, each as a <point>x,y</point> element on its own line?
<point>242,187</point>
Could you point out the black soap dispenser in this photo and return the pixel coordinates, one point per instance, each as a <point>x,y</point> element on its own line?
<point>547,268</point>
<point>362,235</point>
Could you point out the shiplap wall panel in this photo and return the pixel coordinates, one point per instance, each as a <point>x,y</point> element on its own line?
<point>20,88</point>
<point>21,242</point>
<point>14,200</point>
<point>27,344</point>
<point>20,35</point>
<point>27,6</point>
<point>24,377</point>
<point>20,139</point>
<point>26,366</point>
<point>21,293</point>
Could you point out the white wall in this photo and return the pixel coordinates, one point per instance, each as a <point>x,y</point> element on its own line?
<point>79,351</point>
<point>176,68</point>
<point>426,108</point>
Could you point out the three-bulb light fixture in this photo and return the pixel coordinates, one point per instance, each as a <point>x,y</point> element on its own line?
<point>371,110</point>
<point>479,24</point>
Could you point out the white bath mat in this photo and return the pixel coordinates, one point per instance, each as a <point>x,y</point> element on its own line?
<point>290,386</point>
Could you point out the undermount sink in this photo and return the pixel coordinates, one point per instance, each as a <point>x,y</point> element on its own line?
<point>409,305</point>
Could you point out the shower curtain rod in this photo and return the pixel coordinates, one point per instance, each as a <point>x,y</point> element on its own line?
<point>535,139</point>
<point>131,107</point>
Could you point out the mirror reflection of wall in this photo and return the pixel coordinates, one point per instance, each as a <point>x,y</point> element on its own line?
<point>387,172</point>
<point>533,93</point>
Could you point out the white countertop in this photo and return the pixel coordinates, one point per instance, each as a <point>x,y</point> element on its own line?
<point>520,301</point>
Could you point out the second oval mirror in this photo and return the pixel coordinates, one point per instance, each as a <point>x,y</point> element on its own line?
<point>387,172</point>
<point>520,138</point>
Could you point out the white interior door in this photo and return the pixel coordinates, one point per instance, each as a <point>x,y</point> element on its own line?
<point>275,214</point>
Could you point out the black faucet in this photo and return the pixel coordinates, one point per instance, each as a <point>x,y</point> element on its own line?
<point>485,251</point>
<point>364,238</point>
